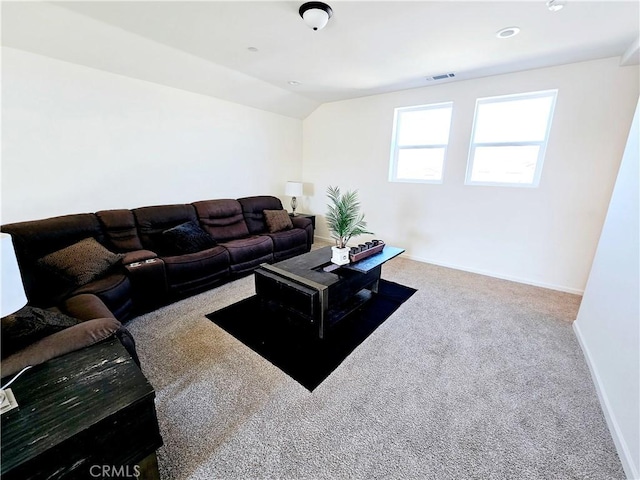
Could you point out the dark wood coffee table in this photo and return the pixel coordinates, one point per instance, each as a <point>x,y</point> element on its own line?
<point>302,285</point>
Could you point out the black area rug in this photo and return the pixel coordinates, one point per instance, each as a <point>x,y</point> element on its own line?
<point>295,348</point>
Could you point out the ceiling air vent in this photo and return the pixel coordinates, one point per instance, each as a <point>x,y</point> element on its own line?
<point>441,77</point>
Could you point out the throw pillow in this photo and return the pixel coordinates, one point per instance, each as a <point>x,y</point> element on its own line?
<point>30,324</point>
<point>188,237</point>
<point>277,220</point>
<point>81,262</point>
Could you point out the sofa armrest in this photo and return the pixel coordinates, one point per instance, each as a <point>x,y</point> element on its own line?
<point>300,222</point>
<point>68,340</point>
<point>86,306</point>
<point>307,225</point>
<point>138,256</point>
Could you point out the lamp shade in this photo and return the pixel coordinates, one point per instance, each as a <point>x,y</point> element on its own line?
<point>13,296</point>
<point>293,189</point>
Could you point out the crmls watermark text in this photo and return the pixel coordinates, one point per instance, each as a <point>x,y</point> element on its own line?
<point>114,471</point>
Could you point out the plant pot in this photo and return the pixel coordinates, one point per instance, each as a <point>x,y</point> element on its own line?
<point>340,256</point>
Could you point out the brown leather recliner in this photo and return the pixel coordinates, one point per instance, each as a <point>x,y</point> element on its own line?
<point>223,220</point>
<point>35,239</point>
<point>287,243</point>
<point>186,273</point>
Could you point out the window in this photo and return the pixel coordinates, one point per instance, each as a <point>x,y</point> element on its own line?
<point>419,143</point>
<point>509,139</point>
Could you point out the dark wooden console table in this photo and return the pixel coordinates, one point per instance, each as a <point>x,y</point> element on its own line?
<point>82,415</point>
<point>302,285</point>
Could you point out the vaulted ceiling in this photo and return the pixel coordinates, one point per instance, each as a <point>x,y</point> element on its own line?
<point>263,55</point>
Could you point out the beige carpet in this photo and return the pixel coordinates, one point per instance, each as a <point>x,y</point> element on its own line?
<point>473,377</point>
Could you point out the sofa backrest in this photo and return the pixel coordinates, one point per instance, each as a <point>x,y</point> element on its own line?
<point>35,239</point>
<point>152,221</point>
<point>120,230</point>
<point>222,219</point>
<point>252,209</point>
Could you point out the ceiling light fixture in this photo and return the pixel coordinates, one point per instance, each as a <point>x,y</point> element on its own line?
<point>315,14</point>
<point>555,5</point>
<point>508,32</point>
<point>294,83</point>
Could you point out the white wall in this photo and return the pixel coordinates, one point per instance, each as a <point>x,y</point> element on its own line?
<point>75,139</point>
<point>608,324</point>
<point>55,31</point>
<point>545,236</point>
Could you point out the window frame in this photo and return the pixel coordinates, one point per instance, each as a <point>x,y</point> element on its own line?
<point>395,148</point>
<point>553,93</point>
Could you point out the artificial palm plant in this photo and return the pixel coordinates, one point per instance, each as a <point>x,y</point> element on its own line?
<point>344,219</point>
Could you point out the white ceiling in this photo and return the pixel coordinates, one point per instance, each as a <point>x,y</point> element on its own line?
<point>367,47</point>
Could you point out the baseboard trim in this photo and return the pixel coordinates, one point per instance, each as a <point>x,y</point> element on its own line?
<point>560,288</point>
<point>626,459</point>
<point>489,273</point>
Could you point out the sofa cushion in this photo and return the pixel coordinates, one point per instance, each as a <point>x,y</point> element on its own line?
<point>86,306</point>
<point>36,238</point>
<point>247,253</point>
<point>152,221</point>
<point>114,290</point>
<point>253,210</point>
<point>187,238</point>
<point>82,262</point>
<point>277,220</point>
<point>222,219</point>
<point>68,340</point>
<point>288,240</point>
<point>30,324</point>
<point>196,268</point>
<point>120,228</point>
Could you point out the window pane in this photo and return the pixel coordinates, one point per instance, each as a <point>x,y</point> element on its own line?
<point>424,127</point>
<point>509,164</point>
<point>420,164</point>
<point>521,120</point>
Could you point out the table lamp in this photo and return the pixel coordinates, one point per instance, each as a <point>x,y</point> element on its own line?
<point>13,299</point>
<point>13,296</point>
<point>293,189</point>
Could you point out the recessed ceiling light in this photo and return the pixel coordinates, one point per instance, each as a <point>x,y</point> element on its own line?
<point>294,83</point>
<point>555,5</point>
<point>252,49</point>
<point>507,32</point>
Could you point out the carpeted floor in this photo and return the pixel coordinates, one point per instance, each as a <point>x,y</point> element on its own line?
<point>292,344</point>
<point>472,377</point>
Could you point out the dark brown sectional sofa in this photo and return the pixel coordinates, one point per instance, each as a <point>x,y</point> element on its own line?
<point>149,276</point>
<point>85,273</point>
